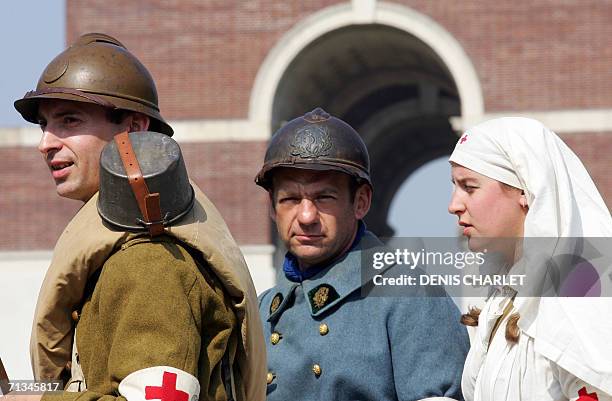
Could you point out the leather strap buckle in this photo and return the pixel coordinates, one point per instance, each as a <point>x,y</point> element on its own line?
<point>148,203</point>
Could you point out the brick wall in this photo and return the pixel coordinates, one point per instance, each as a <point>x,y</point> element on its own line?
<point>33,216</point>
<point>533,55</point>
<point>541,55</point>
<point>595,151</point>
<point>204,55</point>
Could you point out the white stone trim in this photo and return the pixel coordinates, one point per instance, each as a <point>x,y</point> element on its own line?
<point>19,136</point>
<point>364,10</point>
<point>184,131</point>
<point>19,256</point>
<point>360,12</point>
<point>560,121</point>
<point>259,258</point>
<point>219,131</point>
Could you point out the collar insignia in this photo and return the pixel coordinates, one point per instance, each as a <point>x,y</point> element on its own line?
<point>276,301</point>
<point>322,296</point>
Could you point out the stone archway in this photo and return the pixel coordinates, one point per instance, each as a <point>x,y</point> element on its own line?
<point>390,86</point>
<point>394,74</point>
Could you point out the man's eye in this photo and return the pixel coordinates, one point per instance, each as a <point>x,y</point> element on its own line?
<point>288,199</point>
<point>70,120</point>
<point>326,197</point>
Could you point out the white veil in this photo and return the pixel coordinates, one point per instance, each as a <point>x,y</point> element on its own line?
<point>575,333</point>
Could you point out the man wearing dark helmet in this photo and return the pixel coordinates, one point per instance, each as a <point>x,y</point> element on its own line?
<point>133,307</point>
<point>326,341</point>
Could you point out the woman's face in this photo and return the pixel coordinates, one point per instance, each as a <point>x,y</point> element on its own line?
<point>486,208</point>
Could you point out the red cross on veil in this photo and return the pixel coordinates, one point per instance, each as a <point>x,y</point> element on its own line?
<point>463,139</point>
<point>167,391</point>
<point>584,396</point>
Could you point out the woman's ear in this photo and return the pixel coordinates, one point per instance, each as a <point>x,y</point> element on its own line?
<point>523,200</point>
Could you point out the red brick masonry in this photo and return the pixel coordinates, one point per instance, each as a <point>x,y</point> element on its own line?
<point>32,216</point>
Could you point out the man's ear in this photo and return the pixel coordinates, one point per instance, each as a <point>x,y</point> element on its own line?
<point>139,122</point>
<point>271,209</point>
<point>363,201</point>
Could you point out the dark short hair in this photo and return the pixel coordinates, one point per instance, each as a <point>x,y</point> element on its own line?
<point>116,116</point>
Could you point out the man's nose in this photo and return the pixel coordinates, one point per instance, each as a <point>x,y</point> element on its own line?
<point>48,142</point>
<point>307,213</point>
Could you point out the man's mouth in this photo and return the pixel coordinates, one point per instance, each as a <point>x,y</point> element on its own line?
<point>60,166</point>
<point>307,237</point>
<point>60,170</point>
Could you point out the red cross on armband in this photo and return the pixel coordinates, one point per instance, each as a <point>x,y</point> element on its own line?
<point>463,139</point>
<point>144,384</point>
<point>167,391</point>
<point>584,396</point>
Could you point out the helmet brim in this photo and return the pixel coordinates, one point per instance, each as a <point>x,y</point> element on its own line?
<point>28,107</point>
<point>264,177</point>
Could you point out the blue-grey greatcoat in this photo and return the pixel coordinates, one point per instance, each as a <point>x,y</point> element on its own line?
<point>326,342</point>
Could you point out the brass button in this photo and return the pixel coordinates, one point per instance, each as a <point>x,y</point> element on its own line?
<point>275,338</point>
<point>323,329</point>
<point>316,369</point>
<point>75,315</point>
<point>270,377</point>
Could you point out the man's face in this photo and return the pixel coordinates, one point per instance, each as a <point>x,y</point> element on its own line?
<point>314,214</point>
<point>74,134</point>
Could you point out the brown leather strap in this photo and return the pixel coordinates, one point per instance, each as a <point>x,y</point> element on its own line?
<point>4,380</point>
<point>147,203</point>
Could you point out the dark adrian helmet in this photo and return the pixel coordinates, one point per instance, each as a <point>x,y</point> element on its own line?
<point>316,141</point>
<point>97,69</point>
<point>156,161</point>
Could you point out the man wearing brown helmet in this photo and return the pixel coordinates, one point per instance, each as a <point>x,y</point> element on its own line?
<point>326,341</point>
<point>126,311</point>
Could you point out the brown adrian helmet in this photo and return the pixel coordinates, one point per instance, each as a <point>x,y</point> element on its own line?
<point>97,69</point>
<point>316,141</point>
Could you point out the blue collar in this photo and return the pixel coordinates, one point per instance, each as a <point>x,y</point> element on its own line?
<point>340,278</point>
<point>292,270</point>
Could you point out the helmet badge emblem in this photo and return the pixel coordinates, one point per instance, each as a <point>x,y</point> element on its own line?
<point>311,142</point>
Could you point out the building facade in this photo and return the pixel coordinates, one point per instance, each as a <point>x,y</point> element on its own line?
<point>407,74</point>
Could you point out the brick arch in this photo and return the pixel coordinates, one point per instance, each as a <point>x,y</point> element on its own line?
<point>334,17</point>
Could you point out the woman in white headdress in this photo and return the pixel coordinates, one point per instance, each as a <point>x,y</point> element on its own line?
<point>513,177</point>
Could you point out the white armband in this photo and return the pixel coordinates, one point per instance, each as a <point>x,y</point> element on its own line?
<point>162,383</point>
